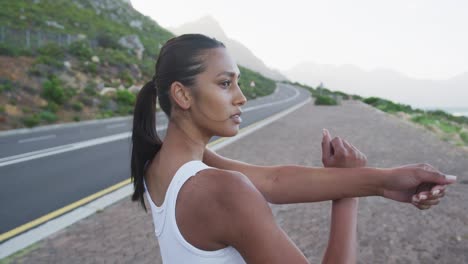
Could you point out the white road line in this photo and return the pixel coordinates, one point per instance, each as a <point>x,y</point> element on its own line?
<point>115,125</point>
<point>64,148</point>
<point>102,140</point>
<point>36,138</point>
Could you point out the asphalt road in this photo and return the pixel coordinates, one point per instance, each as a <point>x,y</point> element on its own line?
<point>42,171</point>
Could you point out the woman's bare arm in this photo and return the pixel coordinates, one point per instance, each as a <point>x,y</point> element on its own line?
<point>298,184</point>
<point>342,242</point>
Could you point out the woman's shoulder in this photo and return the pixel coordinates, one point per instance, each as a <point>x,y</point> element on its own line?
<point>216,189</point>
<point>214,183</point>
<point>208,201</point>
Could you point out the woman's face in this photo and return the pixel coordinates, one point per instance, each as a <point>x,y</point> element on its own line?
<point>217,95</point>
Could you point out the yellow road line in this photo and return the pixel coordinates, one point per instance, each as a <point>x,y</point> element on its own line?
<point>88,199</point>
<point>61,211</point>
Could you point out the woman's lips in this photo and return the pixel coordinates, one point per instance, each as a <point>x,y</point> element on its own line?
<point>237,119</point>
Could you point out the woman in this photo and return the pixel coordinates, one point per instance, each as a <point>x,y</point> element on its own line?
<point>221,214</point>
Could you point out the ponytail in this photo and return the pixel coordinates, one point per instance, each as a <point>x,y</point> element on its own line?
<point>145,140</point>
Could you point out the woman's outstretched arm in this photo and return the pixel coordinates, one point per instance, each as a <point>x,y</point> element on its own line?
<point>298,184</point>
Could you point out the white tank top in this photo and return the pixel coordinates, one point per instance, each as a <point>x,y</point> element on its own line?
<point>174,248</point>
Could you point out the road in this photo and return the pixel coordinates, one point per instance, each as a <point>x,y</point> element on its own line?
<point>48,169</point>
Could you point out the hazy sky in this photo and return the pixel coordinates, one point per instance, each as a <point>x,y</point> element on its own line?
<point>425,39</point>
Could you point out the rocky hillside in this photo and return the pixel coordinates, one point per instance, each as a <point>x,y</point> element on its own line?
<point>72,60</point>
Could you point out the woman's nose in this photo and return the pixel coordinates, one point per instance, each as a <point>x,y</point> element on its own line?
<point>241,99</point>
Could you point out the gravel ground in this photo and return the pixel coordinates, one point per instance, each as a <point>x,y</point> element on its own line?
<point>388,232</point>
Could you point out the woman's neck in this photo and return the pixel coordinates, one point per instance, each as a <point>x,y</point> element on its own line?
<point>184,142</point>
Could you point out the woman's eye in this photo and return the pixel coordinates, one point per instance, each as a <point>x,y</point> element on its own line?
<point>226,84</point>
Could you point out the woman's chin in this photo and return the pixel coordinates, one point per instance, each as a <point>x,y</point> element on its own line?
<point>229,133</point>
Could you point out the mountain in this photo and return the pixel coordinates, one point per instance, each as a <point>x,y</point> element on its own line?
<point>209,26</point>
<point>384,83</point>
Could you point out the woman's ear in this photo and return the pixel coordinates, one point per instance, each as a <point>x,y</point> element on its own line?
<point>181,95</point>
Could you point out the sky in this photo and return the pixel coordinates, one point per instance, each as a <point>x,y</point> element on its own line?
<point>423,39</point>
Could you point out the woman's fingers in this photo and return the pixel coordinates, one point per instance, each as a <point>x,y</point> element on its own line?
<point>348,146</point>
<point>429,202</point>
<point>437,189</point>
<point>425,200</point>
<point>326,147</point>
<point>339,148</point>
<point>422,207</point>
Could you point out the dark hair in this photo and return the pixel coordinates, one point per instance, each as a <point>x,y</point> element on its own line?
<point>179,60</point>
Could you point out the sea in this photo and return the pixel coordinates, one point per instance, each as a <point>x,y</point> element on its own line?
<point>456,111</point>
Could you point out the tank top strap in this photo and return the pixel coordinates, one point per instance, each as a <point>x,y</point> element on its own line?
<point>186,171</point>
<point>167,209</point>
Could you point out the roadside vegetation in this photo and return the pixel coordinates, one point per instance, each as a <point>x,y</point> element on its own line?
<point>450,128</point>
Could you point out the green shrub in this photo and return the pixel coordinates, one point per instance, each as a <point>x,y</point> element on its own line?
<point>7,50</point>
<point>6,86</point>
<point>90,89</point>
<point>51,50</point>
<point>81,49</point>
<point>464,136</point>
<point>324,100</point>
<point>371,100</point>
<point>105,114</point>
<point>107,40</point>
<point>126,77</point>
<point>117,57</point>
<point>77,106</point>
<point>53,90</point>
<point>52,107</point>
<point>76,118</point>
<point>90,67</point>
<point>30,121</point>
<point>2,109</point>
<point>69,92</point>
<point>50,61</point>
<point>125,97</point>
<point>48,116</point>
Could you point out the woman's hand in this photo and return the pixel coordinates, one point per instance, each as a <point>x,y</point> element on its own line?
<point>338,153</point>
<point>419,184</point>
